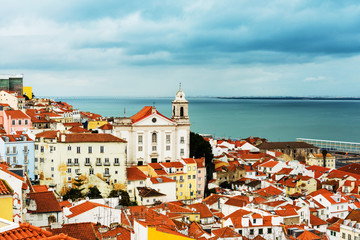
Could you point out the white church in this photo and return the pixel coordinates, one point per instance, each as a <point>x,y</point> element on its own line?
<point>153,137</point>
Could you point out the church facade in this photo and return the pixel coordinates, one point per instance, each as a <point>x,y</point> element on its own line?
<point>153,137</point>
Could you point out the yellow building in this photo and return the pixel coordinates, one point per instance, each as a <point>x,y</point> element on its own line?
<point>92,125</point>
<point>183,172</point>
<point>6,201</point>
<point>318,160</point>
<point>27,91</point>
<point>156,233</point>
<point>298,184</point>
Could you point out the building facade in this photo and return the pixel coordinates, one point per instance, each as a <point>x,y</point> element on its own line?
<point>61,158</point>
<point>152,137</point>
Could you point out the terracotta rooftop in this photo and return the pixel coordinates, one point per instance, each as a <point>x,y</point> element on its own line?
<point>133,174</point>
<point>82,231</point>
<point>5,189</point>
<point>145,112</point>
<point>16,114</point>
<point>149,192</point>
<point>45,202</point>
<point>94,137</point>
<point>84,207</point>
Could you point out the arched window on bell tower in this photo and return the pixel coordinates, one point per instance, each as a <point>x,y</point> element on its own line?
<point>181,111</point>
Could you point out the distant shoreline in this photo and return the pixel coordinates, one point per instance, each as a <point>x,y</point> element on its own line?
<point>293,98</point>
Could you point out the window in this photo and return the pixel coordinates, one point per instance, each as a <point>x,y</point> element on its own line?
<point>26,122</point>
<point>98,161</point>
<point>14,150</point>
<point>52,169</point>
<point>69,170</point>
<point>69,161</point>
<point>167,139</point>
<point>41,160</point>
<point>251,231</point>
<point>107,161</point>
<point>343,235</point>
<point>26,160</point>
<point>189,177</point>
<point>349,236</point>
<point>116,172</point>
<point>189,168</point>
<point>194,168</point>
<point>101,149</point>
<point>154,148</point>
<point>240,232</point>
<point>91,171</point>
<point>260,231</point>
<point>154,138</point>
<point>269,230</point>
<point>36,159</point>
<point>69,178</point>
<point>26,149</point>
<point>181,152</point>
<point>140,148</point>
<point>69,148</point>
<point>167,148</point>
<point>182,140</point>
<point>87,161</point>
<point>106,171</point>
<point>140,139</point>
<point>13,122</point>
<point>89,149</point>
<point>194,176</point>
<point>77,149</point>
<point>116,161</point>
<point>14,160</point>
<point>36,147</point>
<point>19,122</point>
<point>199,185</point>
<point>76,161</point>
<point>254,220</point>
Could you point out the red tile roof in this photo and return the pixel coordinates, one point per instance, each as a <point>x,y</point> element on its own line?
<point>225,232</point>
<point>4,167</point>
<point>5,189</point>
<point>82,231</point>
<point>161,179</point>
<point>202,208</point>
<point>145,112</point>
<point>25,231</point>
<point>45,202</point>
<point>78,129</point>
<point>40,188</point>
<point>269,164</point>
<point>47,134</point>
<point>16,137</point>
<point>16,114</point>
<point>133,174</point>
<point>107,126</point>
<point>200,162</point>
<point>84,207</point>
<point>316,221</point>
<point>94,137</point>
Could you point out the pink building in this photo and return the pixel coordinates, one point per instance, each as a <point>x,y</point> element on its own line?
<point>15,120</point>
<point>201,177</point>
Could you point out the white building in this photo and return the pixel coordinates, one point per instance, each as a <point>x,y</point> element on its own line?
<point>60,158</point>
<point>92,212</point>
<point>152,137</point>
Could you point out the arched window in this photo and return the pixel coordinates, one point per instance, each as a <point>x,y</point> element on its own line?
<point>181,111</point>
<point>174,111</point>
<point>154,138</point>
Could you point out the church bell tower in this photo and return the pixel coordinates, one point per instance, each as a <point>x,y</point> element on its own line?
<point>180,107</point>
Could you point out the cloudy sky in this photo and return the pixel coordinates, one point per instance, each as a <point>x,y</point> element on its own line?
<point>214,48</point>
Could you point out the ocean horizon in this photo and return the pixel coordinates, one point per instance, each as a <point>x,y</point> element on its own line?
<point>275,119</point>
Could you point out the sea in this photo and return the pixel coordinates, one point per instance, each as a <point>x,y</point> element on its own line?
<point>274,119</point>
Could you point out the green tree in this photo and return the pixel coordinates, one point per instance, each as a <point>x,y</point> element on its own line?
<point>94,193</point>
<point>324,153</point>
<point>125,198</point>
<point>199,147</point>
<point>76,191</point>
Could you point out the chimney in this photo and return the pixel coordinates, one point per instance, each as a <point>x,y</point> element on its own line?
<point>63,137</point>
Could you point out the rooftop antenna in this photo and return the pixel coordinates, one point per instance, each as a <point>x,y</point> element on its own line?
<point>180,86</point>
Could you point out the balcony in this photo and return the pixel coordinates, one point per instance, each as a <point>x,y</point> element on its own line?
<point>11,153</point>
<point>106,174</point>
<point>106,163</point>
<point>69,164</point>
<point>117,164</point>
<point>181,180</point>
<point>76,163</point>
<point>98,164</point>
<point>26,151</point>
<point>87,164</point>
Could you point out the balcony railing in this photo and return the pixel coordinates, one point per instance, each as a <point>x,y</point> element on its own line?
<point>87,164</point>
<point>106,163</point>
<point>106,174</point>
<point>69,164</point>
<point>98,164</point>
<point>117,164</point>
